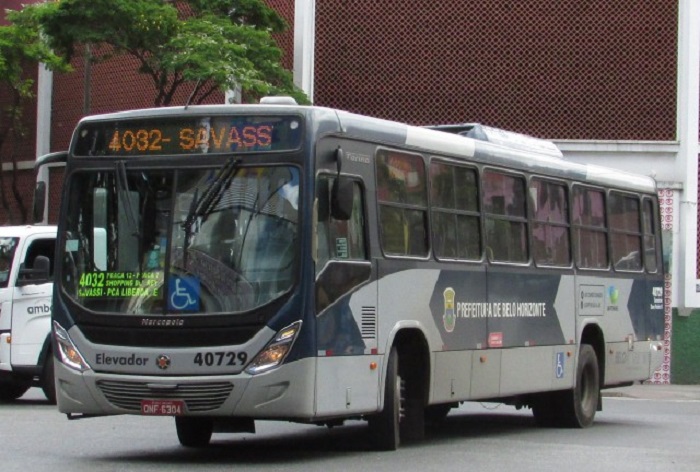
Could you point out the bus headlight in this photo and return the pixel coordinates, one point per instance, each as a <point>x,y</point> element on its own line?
<point>67,351</point>
<point>276,350</point>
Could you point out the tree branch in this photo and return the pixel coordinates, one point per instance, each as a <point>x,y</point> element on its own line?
<point>174,85</point>
<point>212,88</point>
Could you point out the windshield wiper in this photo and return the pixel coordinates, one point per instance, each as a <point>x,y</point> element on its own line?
<point>123,193</point>
<point>201,207</point>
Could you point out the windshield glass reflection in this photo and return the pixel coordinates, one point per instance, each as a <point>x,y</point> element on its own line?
<point>217,240</point>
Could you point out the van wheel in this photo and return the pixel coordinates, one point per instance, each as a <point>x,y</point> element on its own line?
<point>48,380</point>
<point>384,426</point>
<point>11,391</point>
<point>194,431</point>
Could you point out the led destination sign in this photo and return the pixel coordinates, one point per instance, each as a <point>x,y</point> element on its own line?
<point>201,135</point>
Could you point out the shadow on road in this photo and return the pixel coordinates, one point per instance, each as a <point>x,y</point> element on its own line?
<point>29,403</point>
<point>319,443</point>
<point>124,442</point>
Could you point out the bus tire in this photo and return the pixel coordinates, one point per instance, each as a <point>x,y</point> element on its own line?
<point>194,431</point>
<point>384,432</point>
<point>412,420</point>
<point>48,380</point>
<point>582,401</point>
<point>11,391</point>
<point>573,408</point>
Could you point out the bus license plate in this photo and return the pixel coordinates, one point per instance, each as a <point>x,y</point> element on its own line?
<point>162,407</point>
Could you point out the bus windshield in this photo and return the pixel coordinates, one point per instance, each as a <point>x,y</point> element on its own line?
<point>7,254</point>
<point>186,241</point>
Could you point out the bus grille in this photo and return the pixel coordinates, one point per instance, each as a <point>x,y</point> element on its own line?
<point>197,397</point>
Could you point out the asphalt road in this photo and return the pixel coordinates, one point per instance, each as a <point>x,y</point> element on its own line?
<point>631,434</point>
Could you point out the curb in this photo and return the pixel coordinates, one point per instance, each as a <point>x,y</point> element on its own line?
<point>655,392</point>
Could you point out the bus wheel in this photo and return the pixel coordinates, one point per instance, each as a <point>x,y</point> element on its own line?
<point>573,408</point>
<point>11,391</point>
<point>48,382</point>
<point>384,426</point>
<point>582,401</point>
<point>193,431</point>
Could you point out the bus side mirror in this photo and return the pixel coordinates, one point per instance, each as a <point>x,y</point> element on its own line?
<point>342,198</point>
<point>323,196</point>
<point>39,202</point>
<point>38,274</point>
<point>341,192</point>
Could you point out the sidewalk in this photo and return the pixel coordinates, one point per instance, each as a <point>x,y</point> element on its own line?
<point>656,392</point>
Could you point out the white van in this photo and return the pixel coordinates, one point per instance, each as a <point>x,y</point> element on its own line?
<point>26,286</point>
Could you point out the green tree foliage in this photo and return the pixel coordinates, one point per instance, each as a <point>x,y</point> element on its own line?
<point>21,51</point>
<point>205,45</point>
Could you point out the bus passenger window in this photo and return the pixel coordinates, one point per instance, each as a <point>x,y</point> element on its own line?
<point>402,200</point>
<point>625,231</point>
<point>649,229</point>
<point>505,223</point>
<point>550,227</point>
<point>455,211</point>
<point>590,232</point>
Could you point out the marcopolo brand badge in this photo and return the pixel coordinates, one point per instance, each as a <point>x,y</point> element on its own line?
<point>163,361</point>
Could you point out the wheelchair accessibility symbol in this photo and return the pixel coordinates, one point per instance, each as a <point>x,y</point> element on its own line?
<point>183,293</point>
<point>559,369</point>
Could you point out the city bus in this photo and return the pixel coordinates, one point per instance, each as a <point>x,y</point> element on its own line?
<point>225,264</point>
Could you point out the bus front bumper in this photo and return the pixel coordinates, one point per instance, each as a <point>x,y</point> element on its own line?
<point>284,393</point>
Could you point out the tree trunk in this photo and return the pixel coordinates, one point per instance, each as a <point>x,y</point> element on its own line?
<point>17,194</point>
